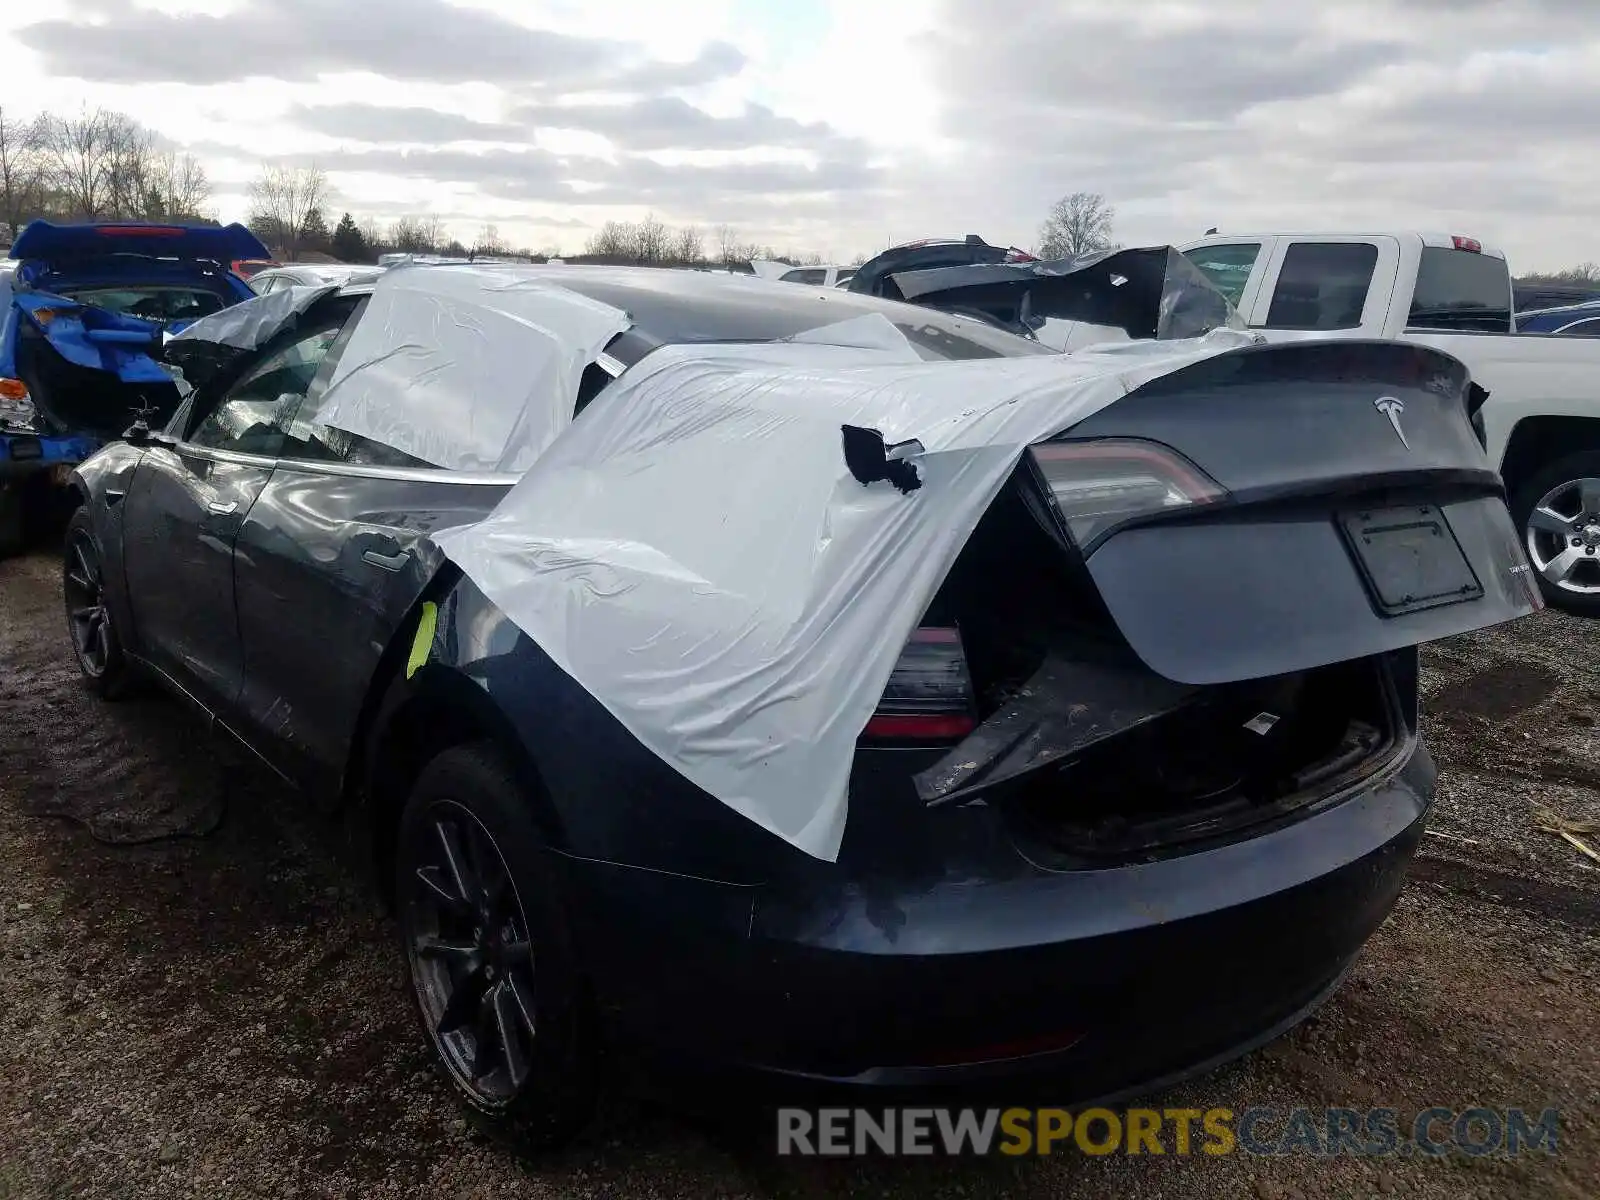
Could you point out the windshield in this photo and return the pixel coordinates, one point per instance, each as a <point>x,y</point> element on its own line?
<point>1457,289</point>
<point>152,303</point>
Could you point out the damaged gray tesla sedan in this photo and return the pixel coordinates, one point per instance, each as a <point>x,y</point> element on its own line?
<point>750,676</point>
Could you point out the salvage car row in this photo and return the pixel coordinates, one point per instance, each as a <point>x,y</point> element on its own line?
<point>809,684</point>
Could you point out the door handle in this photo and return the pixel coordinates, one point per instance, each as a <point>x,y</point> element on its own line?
<point>389,562</point>
<point>221,509</point>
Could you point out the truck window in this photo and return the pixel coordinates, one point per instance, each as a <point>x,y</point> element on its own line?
<point>1227,267</point>
<point>1457,289</point>
<point>1322,285</point>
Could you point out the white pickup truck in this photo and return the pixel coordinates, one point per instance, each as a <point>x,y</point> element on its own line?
<point>1541,423</point>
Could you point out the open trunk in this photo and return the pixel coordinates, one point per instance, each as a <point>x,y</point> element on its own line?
<point>72,398</point>
<point>1197,610</point>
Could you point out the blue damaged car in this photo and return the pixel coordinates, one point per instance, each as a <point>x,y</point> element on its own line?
<point>82,307</point>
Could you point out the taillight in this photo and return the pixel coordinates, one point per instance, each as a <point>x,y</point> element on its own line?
<point>929,696</point>
<point>1098,485</point>
<point>1471,245</point>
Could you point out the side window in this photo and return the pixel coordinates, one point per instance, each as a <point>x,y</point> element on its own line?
<point>1227,267</point>
<point>1322,285</point>
<point>253,414</point>
<point>805,275</point>
<point>309,440</point>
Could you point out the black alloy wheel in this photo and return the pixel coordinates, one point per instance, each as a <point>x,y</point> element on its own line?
<point>95,644</point>
<point>471,956</point>
<point>493,965</point>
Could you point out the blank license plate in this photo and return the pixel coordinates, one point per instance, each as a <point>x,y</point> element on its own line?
<point>1409,558</point>
<point>24,448</point>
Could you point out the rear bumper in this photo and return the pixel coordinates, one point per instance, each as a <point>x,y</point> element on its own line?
<point>1095,983</point>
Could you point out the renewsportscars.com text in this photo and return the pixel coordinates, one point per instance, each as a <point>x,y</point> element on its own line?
<point>1375,1132</point>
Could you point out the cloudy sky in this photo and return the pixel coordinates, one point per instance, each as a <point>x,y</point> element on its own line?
<point>840,125</point>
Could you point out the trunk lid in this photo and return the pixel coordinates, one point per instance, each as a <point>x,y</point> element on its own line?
<point>1361,513</point>
<point>1195,667</point>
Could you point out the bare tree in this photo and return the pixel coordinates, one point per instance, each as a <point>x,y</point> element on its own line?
<point>407,236</point>
<point>182,185</point>
<point>433,232</point>
<point>1076,225</point>
<point>688,246</point>
<point>76,151</point>
<point>372,234</point>
<point>727,245</point>
<point>489,242</point>
<point>653,242</point>
<point>20,170</point>
<point>282,199</point>
<point>614,239</point>
<point>131,188</point>
<point>418,235</point>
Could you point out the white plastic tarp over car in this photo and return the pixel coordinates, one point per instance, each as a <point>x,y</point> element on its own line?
<point>696,551</point>
<point>472,369</point>
<point>698,555</point>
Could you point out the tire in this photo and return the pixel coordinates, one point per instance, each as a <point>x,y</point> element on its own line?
<point>1560,487</point>
<point>13,535</point>
<point>96,645</point>
<point>513,974</point>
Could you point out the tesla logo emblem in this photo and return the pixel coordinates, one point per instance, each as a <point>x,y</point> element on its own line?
<point>1392,408</point>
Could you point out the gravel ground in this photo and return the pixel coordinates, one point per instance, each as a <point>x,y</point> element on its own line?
<point>223,1015</point>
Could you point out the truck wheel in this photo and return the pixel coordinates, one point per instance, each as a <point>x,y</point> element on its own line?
<point>12,534</point>
<point>1557,509</point>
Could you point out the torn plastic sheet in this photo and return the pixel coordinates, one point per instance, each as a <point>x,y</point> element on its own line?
<point>251,323</point>
<point>467,368</point>
<point>872,331</point>
<point>699,556</point>
<point>208,345</point>
<point>1151,292</point>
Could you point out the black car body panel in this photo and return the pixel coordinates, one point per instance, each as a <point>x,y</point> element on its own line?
<point>1300,437</point>
<point>292,591</point>
<point>875,277</point>
<point>1146,292</point>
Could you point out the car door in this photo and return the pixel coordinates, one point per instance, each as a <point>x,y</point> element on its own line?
<point>329,562</point>
<point>183,512</point>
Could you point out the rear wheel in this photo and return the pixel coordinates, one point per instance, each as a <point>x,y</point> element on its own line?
<point>1557,508</point>
<point>95,643</point>
<point>493,971</point>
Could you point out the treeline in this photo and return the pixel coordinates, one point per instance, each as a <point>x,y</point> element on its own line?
<point>1583,275</point>
<point>652,243</point>
<point>289,213</point>
<point>96,165</point>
